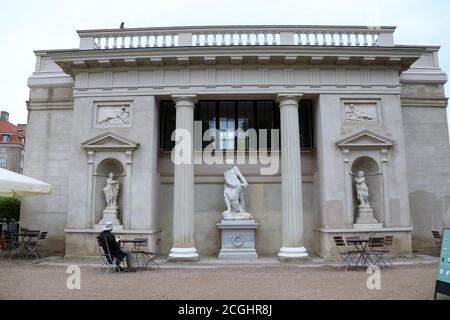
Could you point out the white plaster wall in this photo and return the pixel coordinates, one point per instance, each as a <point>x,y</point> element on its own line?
<point>263,201</point>
<point>330,159</point>
<point>144,178</point>
<point>428,160</point>
<point>47,157</point>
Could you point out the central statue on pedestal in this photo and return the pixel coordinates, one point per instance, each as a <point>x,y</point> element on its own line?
<point>234,194</point>
<point>237,226</point>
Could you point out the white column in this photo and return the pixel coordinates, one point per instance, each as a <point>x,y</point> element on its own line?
<point>291,172</point>
<point>183,203</point>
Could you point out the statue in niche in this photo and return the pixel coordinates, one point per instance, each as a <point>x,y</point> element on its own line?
<point>234,194</point>
<point>111,191</point>
<point>362,191</point>
<point>355,114</point>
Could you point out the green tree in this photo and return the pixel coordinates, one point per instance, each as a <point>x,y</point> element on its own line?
<point>9,209</point>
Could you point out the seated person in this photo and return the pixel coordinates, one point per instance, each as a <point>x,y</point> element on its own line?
<point>114,248</point>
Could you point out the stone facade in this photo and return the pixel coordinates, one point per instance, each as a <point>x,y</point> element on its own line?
<point>378,107</point>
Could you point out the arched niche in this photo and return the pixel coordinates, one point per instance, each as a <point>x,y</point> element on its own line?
<point>106,166</point>
<point>367,151</point>
<point>374,182</point>
<point>108,152</point>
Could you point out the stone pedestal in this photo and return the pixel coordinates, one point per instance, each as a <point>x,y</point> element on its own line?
<point>365,219</point>
<point>238,239</point>
<point>110,215</point>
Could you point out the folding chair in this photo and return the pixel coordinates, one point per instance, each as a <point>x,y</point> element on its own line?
<point>376,246</point>
<point>388,242</point>
<point>110,262</point>
<point>148,257</point>
<point>32,246</point>
<point>346,255</point>
<point>13,247</point>
<point>437,238</point>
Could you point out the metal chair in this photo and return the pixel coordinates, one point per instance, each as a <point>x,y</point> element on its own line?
<point>13,247</point>
<point>31,245</point>
<point>346,255</point>
<point>148,257</point>
<point>110,262</point>
<point>376,250</point>
<point>437,238</point>
<point>388,242</point>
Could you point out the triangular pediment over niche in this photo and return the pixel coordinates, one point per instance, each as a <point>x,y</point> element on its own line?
<point>109,141</point>
<point>367,139</point>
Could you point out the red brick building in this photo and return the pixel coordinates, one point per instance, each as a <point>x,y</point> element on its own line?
<point>12,144</point>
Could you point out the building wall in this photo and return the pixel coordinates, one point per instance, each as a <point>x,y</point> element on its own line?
<point>47,158</point>
<point>428,160</point>
<point>331,160</point>
<point>144,130</point>
<point>262,199</point>
<point>61,119</point>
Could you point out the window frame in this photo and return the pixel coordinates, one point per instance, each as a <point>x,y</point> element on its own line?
<point>167,121</point>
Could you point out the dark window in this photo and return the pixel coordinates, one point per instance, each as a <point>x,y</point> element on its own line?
<point>306,121</point>
<point>167,125</point>
<point>228,116</point>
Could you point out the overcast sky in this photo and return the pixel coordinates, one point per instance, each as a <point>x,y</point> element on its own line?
<point>27,25</point>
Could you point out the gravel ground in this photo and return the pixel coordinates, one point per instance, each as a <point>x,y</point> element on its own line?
<point>22,280</point>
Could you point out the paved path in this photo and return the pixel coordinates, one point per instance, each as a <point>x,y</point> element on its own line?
<point>212,280</point>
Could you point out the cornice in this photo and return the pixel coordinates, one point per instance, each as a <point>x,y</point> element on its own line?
<point>72,61</point>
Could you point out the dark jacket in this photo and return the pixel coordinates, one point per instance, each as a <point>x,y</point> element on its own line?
<point>114,247</point>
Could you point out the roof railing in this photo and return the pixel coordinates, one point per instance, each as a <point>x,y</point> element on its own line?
<point>229,36</point>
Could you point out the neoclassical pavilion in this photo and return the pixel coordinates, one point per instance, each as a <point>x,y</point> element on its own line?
<point>344,99</point>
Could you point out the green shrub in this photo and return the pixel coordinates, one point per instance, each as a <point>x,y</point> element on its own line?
<point>9,209</point>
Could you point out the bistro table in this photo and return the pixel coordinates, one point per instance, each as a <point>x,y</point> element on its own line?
<point>26,240</point>
<point>136,249</point>
<point>361,246</point>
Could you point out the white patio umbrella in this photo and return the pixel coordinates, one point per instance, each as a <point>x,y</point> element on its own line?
<point>13,184</point>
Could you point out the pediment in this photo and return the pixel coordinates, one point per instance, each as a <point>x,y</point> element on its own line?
<point>110,141</point>
<point>367,139</point>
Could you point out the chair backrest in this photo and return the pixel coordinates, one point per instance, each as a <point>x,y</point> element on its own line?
<point>353,238</point>
<point>437,237</point>
<point>11,239</point>
<point>43,235</point>
<point>376,242</point>
<point>339,241</point>
<point>436,234</point>
<point>144,241</point>
<point>104,249</point>
<point>388,240</point>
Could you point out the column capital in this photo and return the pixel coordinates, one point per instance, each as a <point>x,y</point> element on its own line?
<point>184,99</point>
<point>283,97</point>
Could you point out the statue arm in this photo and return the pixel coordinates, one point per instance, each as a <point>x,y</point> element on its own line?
<point>240,176</point>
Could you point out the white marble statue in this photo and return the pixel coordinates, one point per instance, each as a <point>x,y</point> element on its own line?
<point>111,191</point>
<point>362,191</point>
<point>234,194</point>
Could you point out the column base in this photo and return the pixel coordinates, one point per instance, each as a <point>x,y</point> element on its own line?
<point>292,253</point>
<point>180,254</point>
